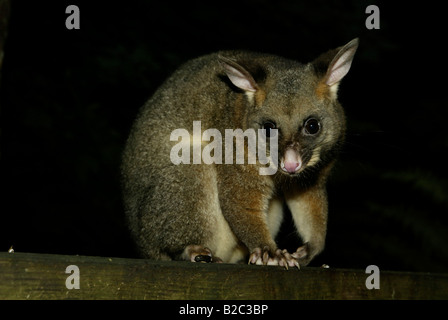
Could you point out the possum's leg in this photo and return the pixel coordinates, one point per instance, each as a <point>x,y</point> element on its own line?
<point>309,211</point>
<point>198,253</point>
<point>183,220</point>
<point>275,216</point>
<point>281,257</point>
<point>251,214</point>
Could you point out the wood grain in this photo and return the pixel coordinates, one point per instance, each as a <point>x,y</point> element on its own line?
<point>42,276</point>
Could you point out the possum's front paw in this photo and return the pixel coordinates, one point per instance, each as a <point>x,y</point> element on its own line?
<point>198,253</point>
<point>303,254</point>
<point>277,258</point>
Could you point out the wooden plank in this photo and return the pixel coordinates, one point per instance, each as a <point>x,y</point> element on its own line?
<point>43,276</point>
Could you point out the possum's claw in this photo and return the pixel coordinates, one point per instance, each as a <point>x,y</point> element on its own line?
<point>198,253</point>
<point>290,259</point>
<point>277,258</point>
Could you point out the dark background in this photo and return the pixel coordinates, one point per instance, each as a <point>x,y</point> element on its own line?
<point>68,99</point>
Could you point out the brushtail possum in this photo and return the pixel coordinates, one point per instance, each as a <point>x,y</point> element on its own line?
<point>221,212</point>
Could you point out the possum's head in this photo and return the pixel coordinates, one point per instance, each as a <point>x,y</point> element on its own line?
<point>298,100</point>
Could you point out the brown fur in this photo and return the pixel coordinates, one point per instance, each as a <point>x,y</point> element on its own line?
<point>227,207</point>
<point>322,91</point>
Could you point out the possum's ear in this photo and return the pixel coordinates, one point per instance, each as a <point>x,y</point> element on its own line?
<point>337,68</point>
<point>238,75</point>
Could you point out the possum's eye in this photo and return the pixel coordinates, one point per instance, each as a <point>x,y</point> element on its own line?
<point>269,126</point>
<point>311,127</point>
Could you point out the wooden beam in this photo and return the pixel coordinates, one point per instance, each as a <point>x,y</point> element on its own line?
<point>43,276</point>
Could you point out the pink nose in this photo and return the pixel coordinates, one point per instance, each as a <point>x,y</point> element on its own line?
<point>291,161</point>
<point>291,166</point>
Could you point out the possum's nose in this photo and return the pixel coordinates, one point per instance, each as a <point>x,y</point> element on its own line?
<point>291,161</point>
<point>291,166</point>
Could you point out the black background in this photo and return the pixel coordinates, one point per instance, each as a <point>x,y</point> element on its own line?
<point>68,99</point>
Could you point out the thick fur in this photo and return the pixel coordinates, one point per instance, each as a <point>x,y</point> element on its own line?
<point>232,209</point>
